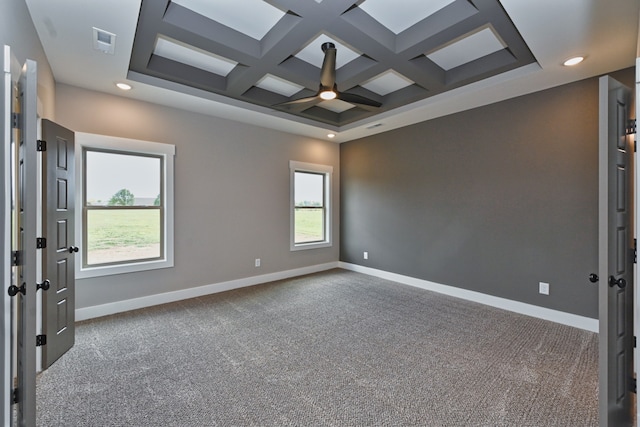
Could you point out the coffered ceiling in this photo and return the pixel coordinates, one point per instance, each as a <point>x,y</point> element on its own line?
<point>241,59</point>
<point>268,52</point>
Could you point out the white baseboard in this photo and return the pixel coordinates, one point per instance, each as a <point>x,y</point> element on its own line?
<point>151,300</point>
<point>574,320</point>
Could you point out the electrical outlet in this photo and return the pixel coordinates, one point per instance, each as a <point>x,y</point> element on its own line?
<point>543,288</point>
<point>257,262</point>
<point>366,255</point>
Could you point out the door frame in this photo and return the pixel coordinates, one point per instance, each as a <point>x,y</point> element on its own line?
<point>6,376</point>
<point>636,222</point>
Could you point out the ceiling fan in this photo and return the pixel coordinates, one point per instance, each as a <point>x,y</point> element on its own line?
<point>328,89</point>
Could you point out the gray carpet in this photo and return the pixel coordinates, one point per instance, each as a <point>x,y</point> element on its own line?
<point>331,349</point>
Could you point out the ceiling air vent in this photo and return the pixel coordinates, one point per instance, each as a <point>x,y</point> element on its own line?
<point>374,126</point>
<point>104,41</point>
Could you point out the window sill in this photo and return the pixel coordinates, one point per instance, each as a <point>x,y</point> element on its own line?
<point>109,270</point>
<point>315,245</point>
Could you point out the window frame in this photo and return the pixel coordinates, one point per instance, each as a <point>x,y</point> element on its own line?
<point>327,172</point>
<point>108,144</point>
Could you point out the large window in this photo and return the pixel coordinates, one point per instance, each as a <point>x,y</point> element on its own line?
<point>310,213</point>
<point>126,188</point>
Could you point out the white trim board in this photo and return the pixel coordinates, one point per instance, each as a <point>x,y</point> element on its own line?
<point>556,316</point>
<point>167,297</point>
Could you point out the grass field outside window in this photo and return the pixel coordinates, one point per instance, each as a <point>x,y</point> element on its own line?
<point>122,235</point>
<point>309,225</point>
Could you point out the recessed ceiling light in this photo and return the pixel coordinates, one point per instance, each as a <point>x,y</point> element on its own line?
<point>331,135</point>
<point>573,61</point>
<point>123,86</point>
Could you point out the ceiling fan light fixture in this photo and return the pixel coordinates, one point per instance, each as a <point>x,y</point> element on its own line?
<point>328,95</point>
<point>328,89</point>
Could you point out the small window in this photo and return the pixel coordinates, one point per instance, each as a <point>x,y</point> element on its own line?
<point>126,222</point>
<point>310,213</point>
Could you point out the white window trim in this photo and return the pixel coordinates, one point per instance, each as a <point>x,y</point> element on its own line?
<point>294,167</point>
<point>134,146</point>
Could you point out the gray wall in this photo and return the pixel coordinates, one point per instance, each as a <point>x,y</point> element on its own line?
<point>18,32</point>
<point>493,200</point>
<point>231,193</point>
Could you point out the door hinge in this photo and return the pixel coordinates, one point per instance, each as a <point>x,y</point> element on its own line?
<point>15,396</point>
<point>631,127</point>
<point>41,145</point>
<point>633,387</point>
<point>15,120</point>
<point>41,243</point>
<point>41,340</point>
<point>15,258</point>
<point>635,251</point>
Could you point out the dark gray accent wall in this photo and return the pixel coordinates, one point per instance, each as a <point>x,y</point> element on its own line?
<point>493,200</point>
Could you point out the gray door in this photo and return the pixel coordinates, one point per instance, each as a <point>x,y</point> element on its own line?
<point>615,255</point>
<point>26,203</point>
<point>58,225</point>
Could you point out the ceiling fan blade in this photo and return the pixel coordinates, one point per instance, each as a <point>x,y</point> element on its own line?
<point>298,101</point>
<point>360,101</point>
<point>328,73</point>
